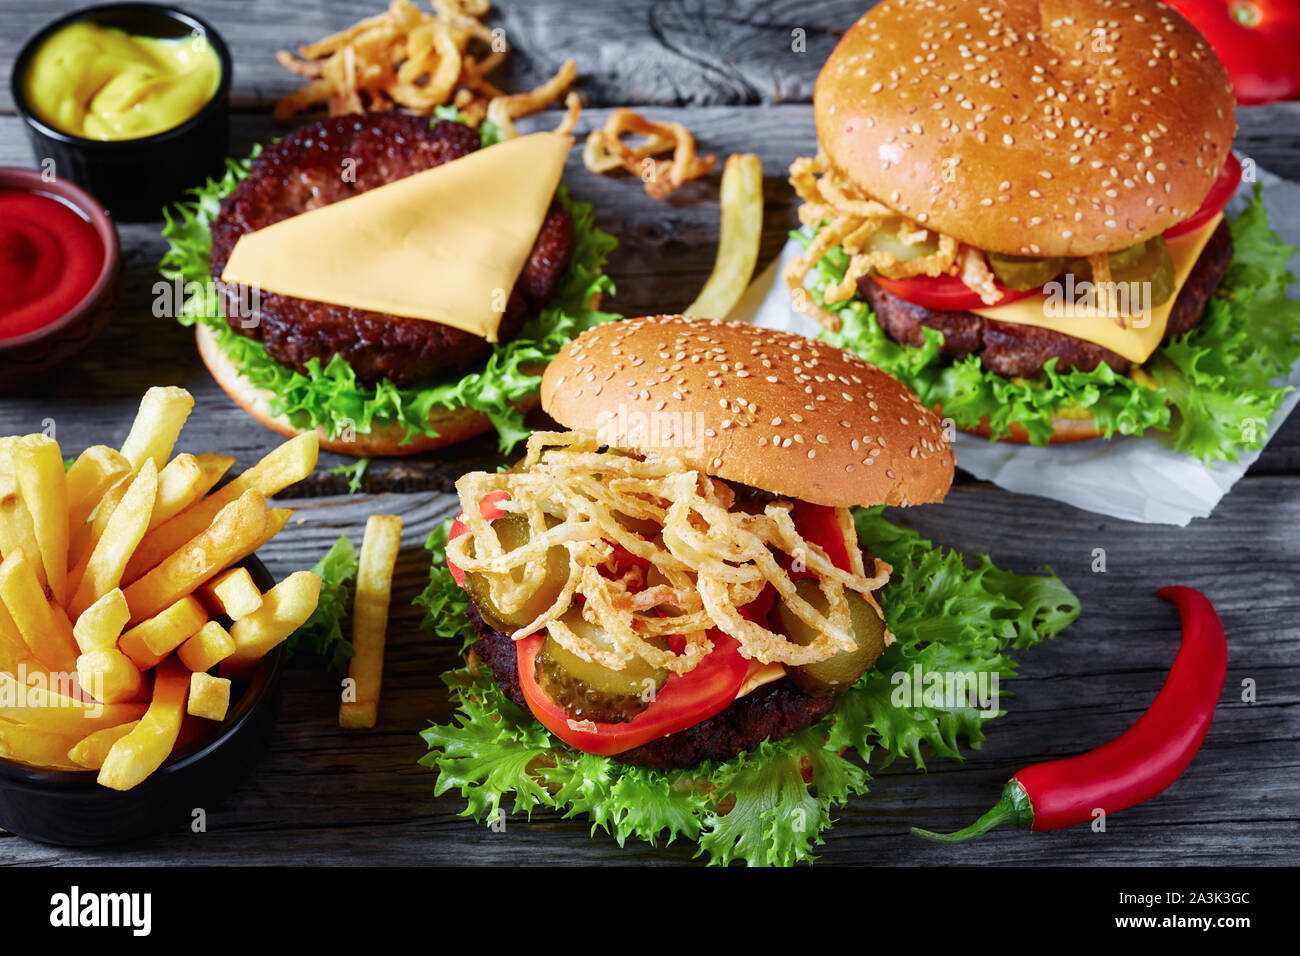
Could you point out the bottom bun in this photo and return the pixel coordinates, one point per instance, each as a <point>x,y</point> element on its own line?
<point>451,424</point>
<point>1064,430</point>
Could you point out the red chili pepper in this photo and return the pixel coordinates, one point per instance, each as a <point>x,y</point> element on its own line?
<point>1257,42</point>
<point>1142,761</point>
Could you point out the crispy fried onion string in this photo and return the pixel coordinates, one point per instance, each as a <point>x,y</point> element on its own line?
<point>606,151</point>
<point>876,239</point>
<point>707,558</point>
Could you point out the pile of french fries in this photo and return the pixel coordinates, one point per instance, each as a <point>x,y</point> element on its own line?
<point>121,594</point>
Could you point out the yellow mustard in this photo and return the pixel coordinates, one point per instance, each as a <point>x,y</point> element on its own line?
<point>103,83</point>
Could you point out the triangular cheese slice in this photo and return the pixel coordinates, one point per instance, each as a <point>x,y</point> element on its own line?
<point>1140,338</point>
<point>444,245</point>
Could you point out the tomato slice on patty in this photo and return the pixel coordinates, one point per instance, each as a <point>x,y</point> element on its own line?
<point>1223,189</point>
<point>945,293</point>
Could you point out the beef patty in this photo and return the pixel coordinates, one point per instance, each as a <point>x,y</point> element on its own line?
<point>306,170</point>
<point>1021,351</point>
<point>774,711</point>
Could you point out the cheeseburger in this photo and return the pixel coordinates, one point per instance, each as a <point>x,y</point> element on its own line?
<point>676,578</point>
<point>1016,207</point>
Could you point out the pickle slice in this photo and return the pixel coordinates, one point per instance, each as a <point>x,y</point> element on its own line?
<point>513,532</point>
<point>589,691</point>
<point>1024,272</point>
<point>1153,266</point>
<point>835,675</point>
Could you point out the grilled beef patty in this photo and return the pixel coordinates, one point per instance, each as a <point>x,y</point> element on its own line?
<point>774,711</point>
<point>304,171</point>
<point>1021,351</point>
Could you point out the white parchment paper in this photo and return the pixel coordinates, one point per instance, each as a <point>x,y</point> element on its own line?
<point>1138,478</point>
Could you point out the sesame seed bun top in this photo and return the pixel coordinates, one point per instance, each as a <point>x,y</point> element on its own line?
<point>1028,127</point>
<point>768,409</point>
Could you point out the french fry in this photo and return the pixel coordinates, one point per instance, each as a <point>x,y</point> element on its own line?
<point>38,748</point>
<point>96,470</point>
<point>209,696</point>
<point>89,752</point>
<point>206,649</point>
<point>180,484</point>
<point>738,241</point>
<point>233,534</point>
<point>379,548</point>
<point>110,676</point>
<point>276,519</point>
<point>13,649</point>
<point>87,536</point>
<point>231,593</point>
<point>17,533</point>
<point>166,630</point>
<point>42,481</point>
<point>44,626</point>
<point>144,749</point>
<point>284,609</point>
<point>36,705</point>
<point>214,467</point>
<point>100,625</point>
<point>163,412</point>
<point>286,465</point>
<point>121,537</point>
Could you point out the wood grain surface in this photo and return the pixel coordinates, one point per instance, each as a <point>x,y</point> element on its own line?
<point>324,796</point>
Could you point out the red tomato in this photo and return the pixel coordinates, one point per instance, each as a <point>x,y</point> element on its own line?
<point>684,701</point>
<point>819,525</point>
<point>945,293</point>
<point>1223,189</point>
<point>1256,40</point>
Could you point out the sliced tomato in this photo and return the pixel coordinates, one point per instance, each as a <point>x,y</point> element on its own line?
<point>1223,189</point>
<point>820,525</point>
<point>490,512</point>
<point>684,701</point>
<point>945,293</point>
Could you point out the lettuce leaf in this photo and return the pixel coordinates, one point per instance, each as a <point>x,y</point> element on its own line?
<point>771,805</point>
<point>322,634</point>
<point>1215,387</point>
<point>330,395</point>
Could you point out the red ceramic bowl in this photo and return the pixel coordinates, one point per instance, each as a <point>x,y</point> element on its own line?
<point>25,357</point>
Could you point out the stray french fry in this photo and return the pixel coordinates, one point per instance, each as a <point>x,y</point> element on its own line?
<point>144,749</point>
<point>163,412</point>
<point>286,465</point>
<point>39,748</point>
<point>206,649</point>
<point>109,676</point>
<point>379,548</point>
<point>166,630</point>
<point>121,537</point>
<point>233,534</point>
<point>738,241</point>
<point>44,626</point>
<point>90,750</point>
<point>209,696</point>
<point>100,625</point>
<point>35,704</point>
<point>96,470</point>
<point>232,593</point>
<point>42,481</point>
<point>180,484</point>
<point>284,609</point>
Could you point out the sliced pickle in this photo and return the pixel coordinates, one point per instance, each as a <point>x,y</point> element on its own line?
<point>1127,257</point>
<point>886,240</point>
<point>513,532</point>
<point>1154,266</point>
<point>835,675</point>
<point>589,691</point>
<point>1024,272</point>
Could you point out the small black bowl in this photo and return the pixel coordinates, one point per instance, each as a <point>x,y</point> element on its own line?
<point>68,808</point>
<point>135,178</point>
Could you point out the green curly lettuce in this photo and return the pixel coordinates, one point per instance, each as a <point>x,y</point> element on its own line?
<point>771,805</point>
<point>330,395</point>
<point>1212,389</point>
<point>321,635</point>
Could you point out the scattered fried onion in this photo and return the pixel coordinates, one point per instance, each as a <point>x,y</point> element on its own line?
<point>406,58</point>
<point>876,239</point>
<point>711,559</point>
<point>606,151</point>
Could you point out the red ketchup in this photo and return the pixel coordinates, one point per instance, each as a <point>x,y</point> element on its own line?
<point>50,257</point>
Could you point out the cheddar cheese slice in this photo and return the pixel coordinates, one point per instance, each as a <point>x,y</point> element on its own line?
<point>1138,336</point>
<point>445,245</point>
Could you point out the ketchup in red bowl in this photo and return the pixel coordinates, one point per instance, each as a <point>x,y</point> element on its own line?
<point>50,258</point>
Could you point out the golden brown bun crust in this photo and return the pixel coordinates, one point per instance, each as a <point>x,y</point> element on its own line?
<point>1064,430</point>
<point>966,115</point>
<point>769,409</point>
<point>452,425</point>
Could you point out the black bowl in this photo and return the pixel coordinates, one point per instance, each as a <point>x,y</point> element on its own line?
<point>135,178</point>
<point>68,808</point>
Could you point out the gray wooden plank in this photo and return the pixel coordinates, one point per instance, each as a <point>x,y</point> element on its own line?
<point>325,796</point>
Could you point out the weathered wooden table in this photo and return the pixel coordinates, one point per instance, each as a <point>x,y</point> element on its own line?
<point>740,75</point>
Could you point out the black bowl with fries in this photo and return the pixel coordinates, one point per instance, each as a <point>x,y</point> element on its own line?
<point>69,808</point>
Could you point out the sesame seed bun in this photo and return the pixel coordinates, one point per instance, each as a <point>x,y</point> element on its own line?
<point>1028,127</point>
<point>452,425</point>
<point>768,409</point>
<point>1064,431</point>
